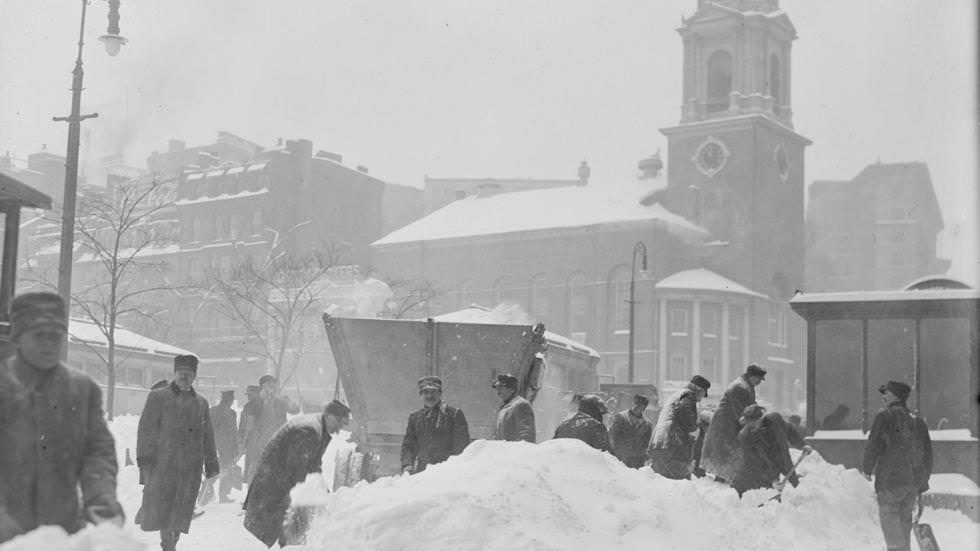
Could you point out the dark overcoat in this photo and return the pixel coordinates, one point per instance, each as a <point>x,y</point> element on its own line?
<point>224,424</point>
<point>174,441</point>
<point>55,442</point>
<point>433,435</point>
<point>585,428</point>
<point>672,445</point>
<point>248,436</point>
<point>629,437</point>
<point>295,451</point>
<point>899,450</point>
<point>515,420</point>
<point>765,453</point>
<point>721,448</point>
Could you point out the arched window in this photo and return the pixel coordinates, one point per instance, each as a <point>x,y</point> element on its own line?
<point>540,303</point>
<point>619,295</point>
<point>578,307</point>
<point>467,294</point>
<point>775,80</point>
<point>719,80</point>
<point>505,290</point>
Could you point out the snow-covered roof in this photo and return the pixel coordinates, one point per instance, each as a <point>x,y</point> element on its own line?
<point>480,314</point>
<point>543,209</point>
<point>86,332</point>
<point>701,279</point>
<point>886,296</point>
<point>223,197</point>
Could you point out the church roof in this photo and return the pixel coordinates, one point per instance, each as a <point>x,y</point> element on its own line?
<point>543,209</point>
<point>701,279</point>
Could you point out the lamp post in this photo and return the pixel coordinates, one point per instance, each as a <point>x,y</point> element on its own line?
<point>640,248</point>
<point>113,43</point>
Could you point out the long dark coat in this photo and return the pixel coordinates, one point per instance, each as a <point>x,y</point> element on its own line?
<point>899,450</point>
<point>586,428</point>
<point>173,442</point>
<point>721,449</point>
<point>224,424</point>
<point>54,442</point>
<point>433,435</point>
<point>295,451</point>
<point>248,436</point>
<point>629,437</point>
<point>515,420</point>
<point>765,453</point>
<point>672,445</point>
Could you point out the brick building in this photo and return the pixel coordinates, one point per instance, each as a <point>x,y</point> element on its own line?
<point>876,232</point>
<point>723,232</point>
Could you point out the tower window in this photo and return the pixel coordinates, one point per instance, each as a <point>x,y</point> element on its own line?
<point>719,81</point>
<point>775,80</point>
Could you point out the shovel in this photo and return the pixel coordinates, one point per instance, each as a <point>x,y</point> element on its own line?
<point>923,532</point>
<point>782,480</point>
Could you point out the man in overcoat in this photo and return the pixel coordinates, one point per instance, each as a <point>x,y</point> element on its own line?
<point>56,452</point>
<point>630,433</point>
<point>515,416</point>
<point>765,451</point>
<point>899,454</point>
<point>586,425</point>
<point>248,431</point>
<point>721,451</point>
<point>174,442</point>
<point>295,451</point>
<point>435,432</point>
<point>224,424</point>
<point>673,444</point>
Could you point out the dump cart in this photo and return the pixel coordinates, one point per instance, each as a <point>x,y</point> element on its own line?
<point>380,360</point>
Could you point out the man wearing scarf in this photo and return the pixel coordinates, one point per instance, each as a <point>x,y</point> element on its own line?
<point>434,432</point>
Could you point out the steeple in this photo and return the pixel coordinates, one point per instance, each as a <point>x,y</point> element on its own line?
<point>737,60</point>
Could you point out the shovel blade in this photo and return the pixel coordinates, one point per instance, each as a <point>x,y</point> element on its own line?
<point>924,537</point>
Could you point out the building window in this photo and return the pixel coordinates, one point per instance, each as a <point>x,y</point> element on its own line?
<point>775,76</point>
<point>467,294</point>
<point>620,295</point>
<point>777,325</point>
<point>897,235</point>
<point>709,321</point>
<point>719,81</point>
<point>709,367</point>
<point>678,322</point>
<point>504,290</point>
<point>196,229</point>
<point>220,227</point>
<point>257,222</point>
<point>235,226</point>
<point>540,305</point>
<point>734,323</point>
<point>677,370</point>
<point>578,307</point>
<point>193,269</point>
<point>896,259</point>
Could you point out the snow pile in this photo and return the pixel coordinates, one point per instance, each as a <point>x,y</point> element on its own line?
<point>561,494</point>
<point>104,537</point>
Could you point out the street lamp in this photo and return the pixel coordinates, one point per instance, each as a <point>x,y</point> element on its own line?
<point>113,43</point>
<point>639,247</point>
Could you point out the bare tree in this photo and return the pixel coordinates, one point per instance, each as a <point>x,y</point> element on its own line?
<point>120,232</point>
<point>274,298</point>
<point>412,297</point>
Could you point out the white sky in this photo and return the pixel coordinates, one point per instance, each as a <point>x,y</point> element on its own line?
<point>503,88</point>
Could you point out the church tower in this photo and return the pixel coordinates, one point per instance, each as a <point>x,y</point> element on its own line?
<point>735,163</point>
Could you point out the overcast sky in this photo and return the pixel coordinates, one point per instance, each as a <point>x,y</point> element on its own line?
<point>522,88</point>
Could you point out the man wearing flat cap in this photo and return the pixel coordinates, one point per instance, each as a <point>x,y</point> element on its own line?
<point>721,452</point>
<point>174,443</point>
<point>672,446</point>
<point>899,454</point>
<point>295,451</point>
<point>630,433</point>
<point>515,416</point>
<point>56,452</point>
<point>435,432</point>
<point>224,424</point>
<point>587,425</point>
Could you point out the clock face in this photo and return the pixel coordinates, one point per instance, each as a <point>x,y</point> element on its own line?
<point>711,156</point>
<point>782,162</point>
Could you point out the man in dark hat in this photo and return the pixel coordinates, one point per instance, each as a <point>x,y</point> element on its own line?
<point>630,433</point>
<point>248,440</point>
<point>435,432</point>
<point>721,451</point>
<point>672,446</point>
<point>515,416</point>
<point>273,412</point>
<point>295,451</point>
<point>764,456</point>
<point>224,424</point>
<point>76,465</point>
<point>587,425</point>
<point>174,442</point>
<point>899,454</point>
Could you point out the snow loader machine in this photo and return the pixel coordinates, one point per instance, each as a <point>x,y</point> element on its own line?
<point>379,362</point>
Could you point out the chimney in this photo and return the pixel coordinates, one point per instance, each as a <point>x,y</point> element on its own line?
<point>651,166</point>
<point>488,188</point>
<point>362,168</point>
<point>175,145</point>
<point>584,171</point>
<point>335,157</point>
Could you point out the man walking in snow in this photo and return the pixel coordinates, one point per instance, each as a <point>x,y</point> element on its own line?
<point>273,411</point>
<point>248,433</point>
<point>515,416</point>
<point>672,445</point>
<point>435,432</point>
<point>721,451</point>
<point>57,453</point>
<point>586,425</point>
<point>899,454</point>
<point>630,433</point>
<point>174,441</point>
<point>295,451</point>
<point>224,423</point>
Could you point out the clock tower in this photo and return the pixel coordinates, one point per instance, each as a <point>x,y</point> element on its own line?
<point>735,163</point>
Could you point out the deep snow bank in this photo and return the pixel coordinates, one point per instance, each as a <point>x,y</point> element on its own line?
<point>561,494</point>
